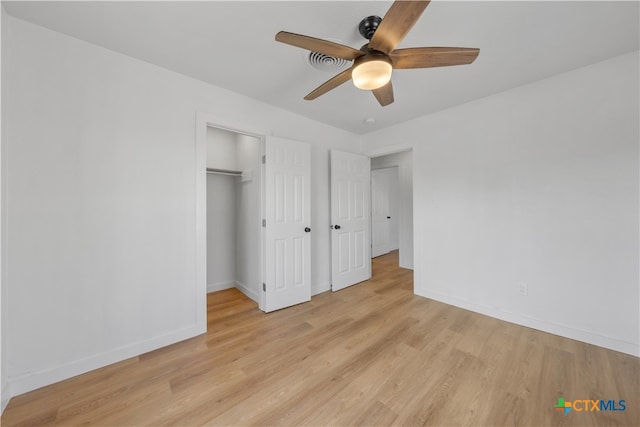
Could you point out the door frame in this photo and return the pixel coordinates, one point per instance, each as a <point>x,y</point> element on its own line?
<point>396,149</point>
<point>203,121</point>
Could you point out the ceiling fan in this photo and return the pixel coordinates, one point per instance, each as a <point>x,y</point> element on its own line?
<point>374,62</point>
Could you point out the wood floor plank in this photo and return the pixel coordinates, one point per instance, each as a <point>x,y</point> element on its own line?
<point>371,354</point>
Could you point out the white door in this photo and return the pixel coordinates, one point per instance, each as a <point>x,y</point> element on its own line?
<point>350,219</point>
<point>380,213</point>
<point>287,227</point>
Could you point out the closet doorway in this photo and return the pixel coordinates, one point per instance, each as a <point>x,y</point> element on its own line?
<point>233,211</point>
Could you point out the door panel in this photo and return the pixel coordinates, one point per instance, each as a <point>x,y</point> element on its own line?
<point>287,214</point>
<point>350,207</point>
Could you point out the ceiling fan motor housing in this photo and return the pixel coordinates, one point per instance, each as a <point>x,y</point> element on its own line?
<point>368,26</point>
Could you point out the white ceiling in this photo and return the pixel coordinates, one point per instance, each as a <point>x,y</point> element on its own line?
<point>231,45</point>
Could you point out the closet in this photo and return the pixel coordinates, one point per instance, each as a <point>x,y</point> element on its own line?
<point>233,211</point>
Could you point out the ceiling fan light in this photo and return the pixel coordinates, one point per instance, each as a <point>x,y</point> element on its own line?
<point>371,72</point>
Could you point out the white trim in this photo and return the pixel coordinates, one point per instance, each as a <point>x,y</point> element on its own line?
<point>539,324</point>
<point>234,126</point>
<point>200,181</point>
<point>221,286</point>
<point>262,297</point>
<point>245,290</point>
<point>33,380</point>
<point>390,149</point>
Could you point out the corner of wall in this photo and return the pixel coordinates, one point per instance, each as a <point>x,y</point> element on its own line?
<point>247,291</point>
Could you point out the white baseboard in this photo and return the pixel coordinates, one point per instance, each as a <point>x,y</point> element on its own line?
<point>33,380</point>
<point>215,287</point>
<point>5,393</point>
<point>320,288</point>
<point>407,266</point>
<point>541,325</point>
<point>248,292</point>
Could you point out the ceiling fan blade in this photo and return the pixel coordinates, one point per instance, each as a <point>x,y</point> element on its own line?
<point>427,57</point>
<point>332,83</point>
<point>397,22</point>
<point>384,95</point>
<point>318,45</point>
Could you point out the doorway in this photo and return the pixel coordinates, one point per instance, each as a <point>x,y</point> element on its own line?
<point>262,227</point>
<point>384,211</point>
<point>395,171</point>
<point>352,202</point>
<point>233,211</point>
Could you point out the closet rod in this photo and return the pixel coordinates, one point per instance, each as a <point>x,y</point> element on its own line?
<point>224,172</point>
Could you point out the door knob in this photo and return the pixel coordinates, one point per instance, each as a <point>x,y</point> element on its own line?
<point>307,230</point>
<point>388,217</point>
<point>337,227</point>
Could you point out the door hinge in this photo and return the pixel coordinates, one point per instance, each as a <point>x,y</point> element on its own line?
<point>264,287</point>
<point>264,222</point>
<point>264,159</point>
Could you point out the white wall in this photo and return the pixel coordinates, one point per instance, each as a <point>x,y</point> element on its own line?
<point>4,386</point>
<point>248,209</point>
<point>221,232</point>
<point>404,163</point>
<point>536,185</point>
<point>101,202</point>
<point>221,149</point>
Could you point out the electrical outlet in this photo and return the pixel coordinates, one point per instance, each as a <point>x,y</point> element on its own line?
<point>523,289</point>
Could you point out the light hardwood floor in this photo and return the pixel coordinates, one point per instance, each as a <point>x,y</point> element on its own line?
<point>372,354</point>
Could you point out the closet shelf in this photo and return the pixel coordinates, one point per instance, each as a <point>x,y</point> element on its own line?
<point>224,172</point>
